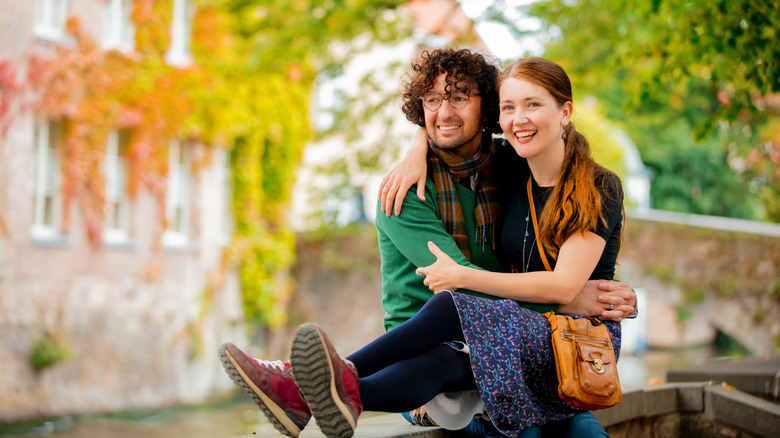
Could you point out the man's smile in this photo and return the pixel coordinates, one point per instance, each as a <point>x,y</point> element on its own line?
<point>448,127</point>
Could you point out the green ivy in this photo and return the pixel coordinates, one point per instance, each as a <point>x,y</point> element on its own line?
<point>47,351</point>
<point>267,126</point>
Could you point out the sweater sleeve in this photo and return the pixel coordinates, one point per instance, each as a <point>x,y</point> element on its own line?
<point>418,224</point>
<point>403,244</point>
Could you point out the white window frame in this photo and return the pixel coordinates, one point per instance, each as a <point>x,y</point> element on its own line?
<point>178,205</point>
<point>47,182</point>
<point>117,208</point>
<point>118,27</point>
<point>50,16</point>
<point>227,198</point>
<point>181,33</point>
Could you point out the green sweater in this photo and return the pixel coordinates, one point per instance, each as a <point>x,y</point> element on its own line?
<point>403,245</point>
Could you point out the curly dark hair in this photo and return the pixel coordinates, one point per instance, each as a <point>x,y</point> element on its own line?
<point>463,69</point>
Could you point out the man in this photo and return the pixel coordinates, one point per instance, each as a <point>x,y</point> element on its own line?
<point>452,94</point>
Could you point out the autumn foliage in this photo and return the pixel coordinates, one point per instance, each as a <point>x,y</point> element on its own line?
<point>261,118</point>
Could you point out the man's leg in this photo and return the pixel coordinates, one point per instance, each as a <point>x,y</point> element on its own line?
<point>582,425</point>
<point>482,428</point>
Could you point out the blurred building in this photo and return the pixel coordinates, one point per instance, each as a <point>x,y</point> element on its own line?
<point>371,82</point>
<point>130,315</point>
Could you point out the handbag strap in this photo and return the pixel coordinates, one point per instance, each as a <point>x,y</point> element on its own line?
<point>592,319</point>
<point>536,224</point>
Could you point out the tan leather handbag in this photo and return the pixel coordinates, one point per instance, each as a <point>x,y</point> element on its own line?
<point>585,362</point>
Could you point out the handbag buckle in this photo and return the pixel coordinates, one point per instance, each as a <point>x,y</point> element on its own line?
<point>597,365</point>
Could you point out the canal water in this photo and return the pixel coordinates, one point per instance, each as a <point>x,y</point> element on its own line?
<point>241,417</point>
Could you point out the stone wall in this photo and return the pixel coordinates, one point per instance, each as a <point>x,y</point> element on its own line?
<point>704,273</point>
<point>338,286</point>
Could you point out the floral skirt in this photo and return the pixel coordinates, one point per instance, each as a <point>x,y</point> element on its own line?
<point>513,362</point>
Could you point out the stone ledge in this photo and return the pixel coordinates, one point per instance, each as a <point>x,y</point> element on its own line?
<point>666,409</point>
<point>745,411</point>
<point>671,406</point>
<point>754,375</point>
<point>654,401</point>
<point>380,426</point>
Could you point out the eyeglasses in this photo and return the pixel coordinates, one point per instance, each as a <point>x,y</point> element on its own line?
<point>458,100</point>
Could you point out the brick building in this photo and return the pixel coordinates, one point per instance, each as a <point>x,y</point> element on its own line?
<point>131,313</point>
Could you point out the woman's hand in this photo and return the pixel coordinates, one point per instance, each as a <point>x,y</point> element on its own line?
<point>398,181</point>
<point>411,170</point>
<point>608,300</point>
<point>441,275</point>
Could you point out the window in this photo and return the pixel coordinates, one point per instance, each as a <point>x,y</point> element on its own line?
<point>50,19</point>
<point>47,206</point>
<point>117,210</point>
<point>181,32</point>
<point>227,199</point>
<point>177,203</point>
<point>118,29</point>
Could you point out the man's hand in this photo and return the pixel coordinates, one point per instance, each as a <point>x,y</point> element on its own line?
<point>610,300</point>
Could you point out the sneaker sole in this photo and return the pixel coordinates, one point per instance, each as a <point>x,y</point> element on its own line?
<point>275,414</point>
<point>312,371</point>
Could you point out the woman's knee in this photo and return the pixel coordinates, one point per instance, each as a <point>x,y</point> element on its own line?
<point>441,307</point>
<point>441,301</point>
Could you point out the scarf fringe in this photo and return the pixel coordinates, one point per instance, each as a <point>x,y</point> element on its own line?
<point>486,235</point>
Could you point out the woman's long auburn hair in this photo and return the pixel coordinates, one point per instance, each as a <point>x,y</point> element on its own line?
<point>575,202</point>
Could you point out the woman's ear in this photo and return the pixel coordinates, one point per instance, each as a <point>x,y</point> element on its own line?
<point>568,110</point>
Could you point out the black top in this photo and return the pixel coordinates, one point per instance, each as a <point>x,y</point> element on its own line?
<point>512,173</point>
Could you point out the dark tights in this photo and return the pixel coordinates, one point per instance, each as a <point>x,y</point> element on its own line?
<point>409,365</point>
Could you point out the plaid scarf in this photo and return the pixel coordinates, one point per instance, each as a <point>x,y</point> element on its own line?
<point>444,166</point>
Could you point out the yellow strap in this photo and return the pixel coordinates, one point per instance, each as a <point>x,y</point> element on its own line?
<point>536,224</point>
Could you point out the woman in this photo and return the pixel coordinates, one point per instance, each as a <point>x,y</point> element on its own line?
<point>510,360</point>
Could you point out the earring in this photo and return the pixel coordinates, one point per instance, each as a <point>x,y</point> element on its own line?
<point>563,135</point>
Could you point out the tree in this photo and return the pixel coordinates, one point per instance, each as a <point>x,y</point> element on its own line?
<point>692,82</point>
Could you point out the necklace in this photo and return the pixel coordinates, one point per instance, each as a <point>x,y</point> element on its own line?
<point>525,264</point>
<point>532,211</point>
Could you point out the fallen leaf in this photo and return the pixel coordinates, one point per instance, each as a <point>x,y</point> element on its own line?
<point>655,382</point>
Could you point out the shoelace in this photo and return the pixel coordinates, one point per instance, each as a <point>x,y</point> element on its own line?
<point>276,365</point>
<point>419,416</point>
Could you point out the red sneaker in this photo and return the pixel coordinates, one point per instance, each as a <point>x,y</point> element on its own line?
<point>328,382</point>
<point>270,386</point>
